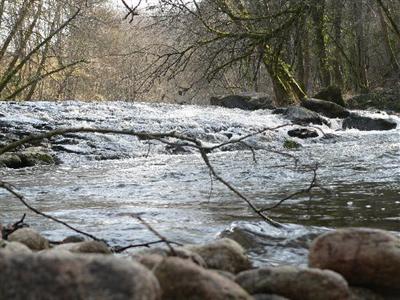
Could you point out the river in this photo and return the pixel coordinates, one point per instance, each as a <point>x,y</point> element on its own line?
<point>102,178</point>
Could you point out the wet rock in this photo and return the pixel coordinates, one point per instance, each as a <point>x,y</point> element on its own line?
<point>291,145</point>
<point>331,94</point>
<point>326,108</point>
<point>85,247</point>
<point>365,257</point>
<point>10,160</point>
<point>149,256</point>
<point>181,280</point>
<point>27,158</point>
<point>301,116</point>
<point>30,238</point>
<point>14,247</point>
<point>367,123</point>
<point>227,275</point>
<point>36,156</point>
<point>303,133</point>
<point>223,254</point>
<point>295,283</point>
<point>245,101</point>
<point>70,277</point>
<point>73,239</point>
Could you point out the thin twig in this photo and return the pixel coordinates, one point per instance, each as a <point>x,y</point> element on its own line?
<point>12,190</point>
<point>143,245</point>
<point>156,233</point>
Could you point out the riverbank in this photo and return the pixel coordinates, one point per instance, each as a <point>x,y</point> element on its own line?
<point>354,264</point>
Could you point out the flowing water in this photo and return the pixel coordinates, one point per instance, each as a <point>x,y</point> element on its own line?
<point>103,178</point>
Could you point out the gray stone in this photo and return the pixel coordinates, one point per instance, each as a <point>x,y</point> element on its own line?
<point>30,238</point>
<point>245,101</point>
<point>223,254</point>
<point>326,108</point>
<point>182,280</point>
<point>366,123</point>
<point>301,116</point>
<point>70,277</point>
<point>365,257</point>
<point>295,283</point>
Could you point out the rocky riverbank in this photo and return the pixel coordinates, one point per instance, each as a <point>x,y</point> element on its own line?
<point>353,263</point>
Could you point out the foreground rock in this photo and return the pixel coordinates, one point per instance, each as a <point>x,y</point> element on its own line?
<point>29,238</point>
<point>326,108</point>
<point>14,247</point>
<point>246,101</point>
<point>301,116</point>
<point>182,280</point>
<point>72,277</point>
<point>84,247</point>
<point>367,123</point>
<point>223,254</point>
<point>365,257</point>
<point>152,257</point>
<point>295,283</point>
<point>331,94</point>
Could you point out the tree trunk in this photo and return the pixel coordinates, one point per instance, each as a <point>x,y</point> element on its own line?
<point>287,90</point>
<point>318,14</point>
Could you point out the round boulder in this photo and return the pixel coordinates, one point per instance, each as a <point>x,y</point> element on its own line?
<point>30,238</point>
<point>14,247</point>
<point>295,283</point>
<point>181,280</point>
<point>365,257</point>
<point>223,254</point>
<point>72,277</point>
<point>85,247</point>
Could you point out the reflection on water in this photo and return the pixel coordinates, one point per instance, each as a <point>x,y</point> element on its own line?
<point>175,194</point>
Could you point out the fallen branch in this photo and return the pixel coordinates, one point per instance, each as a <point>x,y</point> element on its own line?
<point>12,190</point>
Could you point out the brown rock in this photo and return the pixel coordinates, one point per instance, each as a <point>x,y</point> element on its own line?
<point>182,280</point>
<point>85,247</point>
<point>223,254</point>
<point>151,257</point>
<point>30,238</point>
<point>73,277</point>
<point>365,257</point>
<point>295,283</point>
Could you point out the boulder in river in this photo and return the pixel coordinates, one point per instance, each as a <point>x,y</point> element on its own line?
<point>365,257</point>
<point>332,94</point>
<point>223,254</point>
<point>326,108</point>
<point>366,123</point>
<point>29,237</point>
<point>303,133</point>
<point>295,283</point>
<point>27,158</point>
<point>301,116</point>
<point>245,101</point>
<point>181,280</point>
<point>72,277</point>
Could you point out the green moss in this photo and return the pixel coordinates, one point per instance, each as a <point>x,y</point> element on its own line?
<point>291,145</point>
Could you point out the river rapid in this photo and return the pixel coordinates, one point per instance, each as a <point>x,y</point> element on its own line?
<point>103,178</point>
